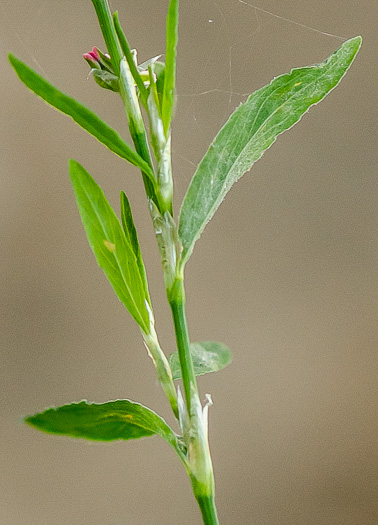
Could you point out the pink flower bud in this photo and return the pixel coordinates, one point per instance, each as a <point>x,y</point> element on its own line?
<point>102,69</point>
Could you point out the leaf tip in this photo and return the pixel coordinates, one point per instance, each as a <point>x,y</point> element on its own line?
<point>72,163</point>
<point>73,167</point>
<point>32,421</point>
<point>353,44</point>
<point>358,39</point>
<point>13,60</point>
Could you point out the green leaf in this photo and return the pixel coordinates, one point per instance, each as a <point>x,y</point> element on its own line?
<point>159,70</point>
<point>170,64</point>
<point>208,356</point>
<point>106,80</point>
<point>111,421</point>
<point>132,238</point>
<point>250,131</point>
<point>126,51</point>
<point>80,114</point>
<point>112,249</point>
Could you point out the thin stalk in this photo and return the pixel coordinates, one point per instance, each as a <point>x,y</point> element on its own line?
<point>176,298</point>
<point>208,510</point>
<point>163,370</point>
<point>196,435</point>
<point>141,146</point>
<point>136,126</point>
<point>161,145</point>
<point>108,31</point>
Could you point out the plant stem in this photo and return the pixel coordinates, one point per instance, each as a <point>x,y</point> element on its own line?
<point>208,510</point>
<point>196,435</point>
<point>130,100</point>
<point>107,27</point>
<point>193,419</point>
<point>176,298</point>
<point>163,369</point>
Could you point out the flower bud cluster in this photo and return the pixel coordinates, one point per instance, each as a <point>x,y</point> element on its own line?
<point>102,69</point>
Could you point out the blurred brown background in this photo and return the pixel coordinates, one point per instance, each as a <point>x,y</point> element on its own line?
<point>285,274</point>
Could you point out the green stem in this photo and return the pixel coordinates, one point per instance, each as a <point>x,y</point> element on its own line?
<point>163,370</point>
<point>108,31</point>
<point>208,510</point>
<point>176,298</point>
<point>136,126</point>
<point>141,146</point>
<point>200,464</point>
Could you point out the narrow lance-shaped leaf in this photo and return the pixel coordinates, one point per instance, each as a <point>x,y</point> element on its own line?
<point>250,131</point>
<point>126,51</point>
<point>208,356</point>
<point>170,64</point>
<point>113,251</point>
<point>111,421</point>
<point>132,238</point>
<point>80,114</point>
